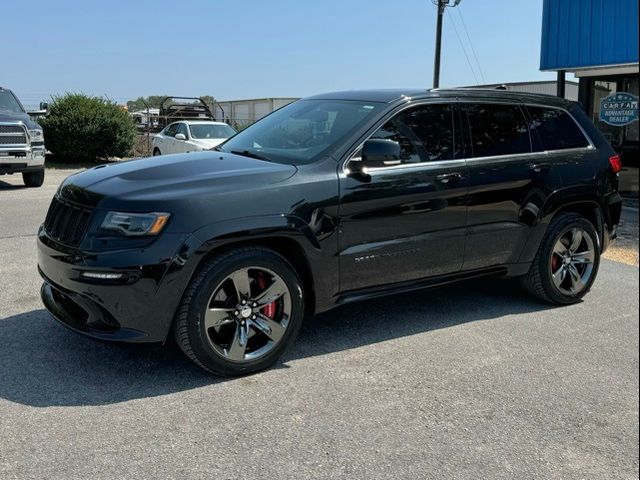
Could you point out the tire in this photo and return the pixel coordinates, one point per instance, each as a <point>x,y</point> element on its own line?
<point>156,152</point>
<point>205,346</point>
<point>33,179</point>
<point>539,281</point>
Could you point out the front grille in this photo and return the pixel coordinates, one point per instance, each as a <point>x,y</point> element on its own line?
<point>12,135</point>
<point>66,223</point>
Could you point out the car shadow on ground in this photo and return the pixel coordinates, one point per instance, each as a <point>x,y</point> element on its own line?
<point>42,364</point>
<point>10,186</point>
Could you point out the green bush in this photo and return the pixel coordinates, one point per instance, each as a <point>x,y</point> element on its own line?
<point>80,128</point>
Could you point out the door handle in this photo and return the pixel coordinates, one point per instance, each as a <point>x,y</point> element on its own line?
<point>446,177</point>
<point>538,167</point>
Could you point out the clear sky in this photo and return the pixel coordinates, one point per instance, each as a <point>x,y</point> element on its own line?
<point>235,49</point>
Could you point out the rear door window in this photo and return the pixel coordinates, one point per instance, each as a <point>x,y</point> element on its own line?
<point>556,129</point>
<point>497,130</point>
<point>425,133</point>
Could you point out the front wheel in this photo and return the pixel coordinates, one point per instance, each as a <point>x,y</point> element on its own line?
<point>156,152</point>
<point>33,179</point>
<point>241,311</point>
<point>567,262</point>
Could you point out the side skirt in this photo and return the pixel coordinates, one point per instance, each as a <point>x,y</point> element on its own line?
<point>396,288</point>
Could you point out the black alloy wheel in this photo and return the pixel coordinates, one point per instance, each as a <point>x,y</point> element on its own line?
<point>241,311</point>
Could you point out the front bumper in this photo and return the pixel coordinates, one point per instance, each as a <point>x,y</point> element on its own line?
<point>85,316</point>
<point>22,159</point>
<point>139,308</point>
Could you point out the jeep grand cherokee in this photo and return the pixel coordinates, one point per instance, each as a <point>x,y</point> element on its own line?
<point>332,199</point>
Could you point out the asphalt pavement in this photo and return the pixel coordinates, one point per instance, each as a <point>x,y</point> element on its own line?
<point>469,381</point>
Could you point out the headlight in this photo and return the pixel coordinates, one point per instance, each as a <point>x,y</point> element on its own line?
<point>135,224</point>
<point>36,135</point>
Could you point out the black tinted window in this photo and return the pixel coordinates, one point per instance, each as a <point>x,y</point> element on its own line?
<point>424,133</point>
<point>8,102</point>
<point>171,130</point>
<point>556,129</point>
<point>498,130</point>
<point>182,128</point>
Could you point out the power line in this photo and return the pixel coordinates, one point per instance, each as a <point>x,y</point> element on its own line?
<point>464,50</point>
<point>473,50</point>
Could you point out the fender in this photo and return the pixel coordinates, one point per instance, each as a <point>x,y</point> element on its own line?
<point>239,229</point>
<point>563,199</point>
<point>321,263</point>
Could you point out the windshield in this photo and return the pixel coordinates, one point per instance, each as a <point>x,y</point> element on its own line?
<point>9,103</point>
<point>303,131</point>
<point>206,131</point>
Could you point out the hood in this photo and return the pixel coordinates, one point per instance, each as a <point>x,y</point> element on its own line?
<point>189,176</point>
<point>17,117</point>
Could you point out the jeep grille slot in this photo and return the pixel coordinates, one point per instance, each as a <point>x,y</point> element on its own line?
<point>66,223</point>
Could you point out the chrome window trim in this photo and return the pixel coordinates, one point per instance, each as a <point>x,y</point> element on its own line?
<point>468,160</point>
<point>504,158</point>
<point>416,166</point>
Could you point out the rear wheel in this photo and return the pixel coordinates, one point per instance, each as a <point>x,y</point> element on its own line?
<point>567,263</point>
<point>33,179</point>
<point>241,312</point>
<point>156,152</point>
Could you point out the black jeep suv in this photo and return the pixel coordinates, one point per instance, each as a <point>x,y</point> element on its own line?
<point>332,199</point>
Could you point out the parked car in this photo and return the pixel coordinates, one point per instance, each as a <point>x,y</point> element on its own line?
<point>333,199</point>
<point>190,136</point>
<point>21,141</point>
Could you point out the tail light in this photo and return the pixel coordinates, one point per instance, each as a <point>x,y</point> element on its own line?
<point>616,163</point>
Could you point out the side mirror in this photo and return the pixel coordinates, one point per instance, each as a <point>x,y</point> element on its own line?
<point>180,136</point>
<point>377,152</point>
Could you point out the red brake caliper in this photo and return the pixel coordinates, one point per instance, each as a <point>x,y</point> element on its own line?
<point>267,310</point>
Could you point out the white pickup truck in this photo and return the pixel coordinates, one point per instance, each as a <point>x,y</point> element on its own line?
<point>21,141</point>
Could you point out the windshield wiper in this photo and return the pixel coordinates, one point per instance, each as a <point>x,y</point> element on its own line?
<point>250,154</point>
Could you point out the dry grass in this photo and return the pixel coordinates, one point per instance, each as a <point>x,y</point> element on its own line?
<point>621,254</point>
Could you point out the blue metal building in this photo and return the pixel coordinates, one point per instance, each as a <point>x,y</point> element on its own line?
<point>589,34</point>
<point>597,41</point>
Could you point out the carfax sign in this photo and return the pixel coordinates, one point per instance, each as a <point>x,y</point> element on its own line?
<point>619,109</point>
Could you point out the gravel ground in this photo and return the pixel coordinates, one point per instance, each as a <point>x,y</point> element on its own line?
<point>625,248</point>
<point>470,381</point>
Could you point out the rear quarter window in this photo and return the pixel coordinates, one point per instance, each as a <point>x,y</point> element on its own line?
<point>556,129</point>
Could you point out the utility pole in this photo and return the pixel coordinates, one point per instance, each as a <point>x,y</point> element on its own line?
<point>441,4</point>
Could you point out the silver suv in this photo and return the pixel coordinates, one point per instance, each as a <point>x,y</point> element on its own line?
<point>21,141</point>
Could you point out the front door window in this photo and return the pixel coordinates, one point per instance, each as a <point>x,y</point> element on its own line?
<point>425,133</point>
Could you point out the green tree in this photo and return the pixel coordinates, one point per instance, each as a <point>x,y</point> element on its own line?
<point>80,128</point>
<point>139,103</point>
<point>209,100</point>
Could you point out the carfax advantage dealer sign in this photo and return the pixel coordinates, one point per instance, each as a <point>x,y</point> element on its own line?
<point>619,109</point>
